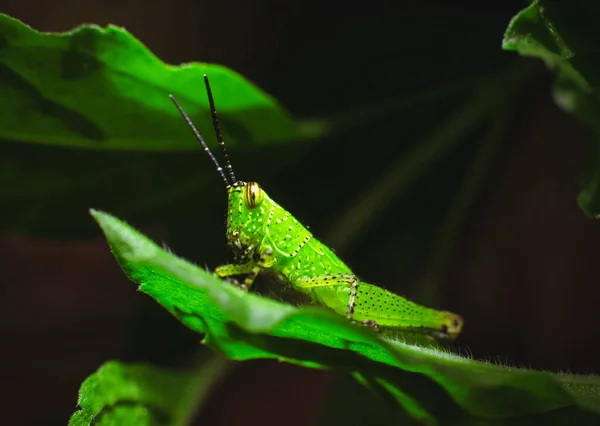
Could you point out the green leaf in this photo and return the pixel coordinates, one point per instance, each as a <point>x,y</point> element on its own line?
<point>101,88</point>
<point>428,383</point>
<point>565,36</point>
<point>532,34</point>
<point>139,394</point>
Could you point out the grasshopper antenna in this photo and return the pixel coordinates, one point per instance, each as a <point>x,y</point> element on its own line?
<point>215,120</point>
<point>199,137</point>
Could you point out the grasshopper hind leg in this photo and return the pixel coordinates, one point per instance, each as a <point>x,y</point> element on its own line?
<point>352,298</point>
<point>352,304</point>
<point>338,281</point>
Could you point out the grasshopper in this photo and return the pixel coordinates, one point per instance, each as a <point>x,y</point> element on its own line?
<point>266,239</point>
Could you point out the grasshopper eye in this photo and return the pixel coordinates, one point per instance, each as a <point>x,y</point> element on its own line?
<point>254,195</point>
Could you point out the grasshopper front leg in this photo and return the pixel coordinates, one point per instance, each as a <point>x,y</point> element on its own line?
<point>252,268</point>
<point>228,271</point>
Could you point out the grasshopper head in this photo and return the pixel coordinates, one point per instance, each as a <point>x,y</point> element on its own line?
<point>247,213</point>
<point>451,326</point>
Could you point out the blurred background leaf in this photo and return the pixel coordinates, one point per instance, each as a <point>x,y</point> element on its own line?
<point>565,36</point>
<point>101,88</point>
<point>120,394</point>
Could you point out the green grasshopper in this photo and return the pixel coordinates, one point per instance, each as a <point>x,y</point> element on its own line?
<point>267,239</point>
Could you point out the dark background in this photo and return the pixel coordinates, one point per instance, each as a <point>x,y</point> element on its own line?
<point>521,270</point>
